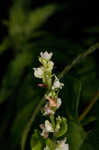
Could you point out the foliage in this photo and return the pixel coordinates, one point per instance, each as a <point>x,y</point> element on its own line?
<point>29,32</point>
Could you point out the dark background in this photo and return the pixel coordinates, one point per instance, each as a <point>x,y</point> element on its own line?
<point>72,29</point>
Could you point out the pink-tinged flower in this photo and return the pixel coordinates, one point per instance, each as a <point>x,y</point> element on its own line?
<point>46,128</point>
<point>48,110</point>
<point>52,102</point>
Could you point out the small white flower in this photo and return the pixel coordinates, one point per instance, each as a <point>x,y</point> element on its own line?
<point>46,55</point>
<point>57,84</point>
<point>48,110</point>
<point>38,72</point>
<point>59,102</point>
<point>61,145</point>
<point>46,148</point>
<point>48,126</point>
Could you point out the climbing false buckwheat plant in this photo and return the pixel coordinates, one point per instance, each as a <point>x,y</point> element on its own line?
<point>54,129</point>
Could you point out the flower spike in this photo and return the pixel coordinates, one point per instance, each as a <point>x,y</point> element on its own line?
<point>53,127</point>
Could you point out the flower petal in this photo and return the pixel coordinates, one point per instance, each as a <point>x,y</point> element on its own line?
<point>46,55</point>
<point>38,72</point>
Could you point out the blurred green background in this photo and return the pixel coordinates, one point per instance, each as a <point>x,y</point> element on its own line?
<point>65,28</point>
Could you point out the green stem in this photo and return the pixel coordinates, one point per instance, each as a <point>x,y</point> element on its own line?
<point>66,69</point>
<point>89,107</point>
<point>52,120</point>
<point>28,126</point>
<point>78,59</point>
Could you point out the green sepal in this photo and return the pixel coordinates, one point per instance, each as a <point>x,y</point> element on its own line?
<point>36,141</point>
<point>43,61</point>
<point>63,128</point>
<point>51,144</point>
<point>58,124</point>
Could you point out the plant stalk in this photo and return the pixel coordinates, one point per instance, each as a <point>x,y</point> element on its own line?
<point>89,107</point>
<point>78,59</point>
<point>65,70</point>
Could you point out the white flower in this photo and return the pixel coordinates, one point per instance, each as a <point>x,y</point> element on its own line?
<point>48,110</point>
<point>59,102</point>
<point>57,84</point>
<point>48,126</point>
<point>46,148</point>
<point>38,72</point>
<point>61,145</point>
<point>46,55</point>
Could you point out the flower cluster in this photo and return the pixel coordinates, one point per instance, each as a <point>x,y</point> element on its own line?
<point>54,126</point>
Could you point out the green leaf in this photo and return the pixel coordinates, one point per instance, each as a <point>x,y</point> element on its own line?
<point>39,17</point>
<point>13,76</point>
<point>4,45</point>
<point>22,24</point>
<point>76,136</point>
<point>36,141</point>
<point>30,122</point>
<point>50,143</point>
<point>87,146</point>
<point>86,71</point>
<point>90,88</point>
<point>20,122</point>
<point>5,122</point>
<point>93,136</point>
<point>17,21</point>
<point>27,92</point>
<point>88,120</point>
<point>71,96</point>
